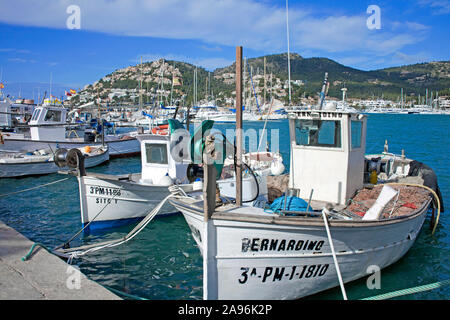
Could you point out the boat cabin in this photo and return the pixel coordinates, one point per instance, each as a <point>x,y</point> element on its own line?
<point>327,154</point>
<point>158,164</point>
<point>48,123</point>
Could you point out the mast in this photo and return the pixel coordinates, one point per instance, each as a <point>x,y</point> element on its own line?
<point>51,75</point>
<point>288,52</point>
<point>140,88</point>
<point>238,126</point>
<point>265,82</point>
<point>323,92</point>
<point>401,105</point>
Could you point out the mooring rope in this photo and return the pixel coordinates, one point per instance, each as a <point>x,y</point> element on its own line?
<point>37,187</point>
<point>80,251</point>
<point>412,290</point>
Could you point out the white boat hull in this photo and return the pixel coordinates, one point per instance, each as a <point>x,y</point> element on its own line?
<point>286,260</point>
<point>8,170</point>
<point>118,199</point>
<point>124,199</point>
<point>118,148</point>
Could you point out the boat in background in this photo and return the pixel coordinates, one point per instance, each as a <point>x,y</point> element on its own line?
<point>41,162</point>
<point>47,129</point>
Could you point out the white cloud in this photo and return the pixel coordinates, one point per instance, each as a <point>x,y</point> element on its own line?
<point>255,25</point>
<point>438,6</point>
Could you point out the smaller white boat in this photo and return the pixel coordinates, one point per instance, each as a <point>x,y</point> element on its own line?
<point>16,164</point>
<point>263,163</point>
<point>108,200</point>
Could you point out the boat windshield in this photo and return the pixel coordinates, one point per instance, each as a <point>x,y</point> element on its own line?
<point>36,114</point>
<point>156,153</point>
<point>53,115</point>
<point>318,133</point>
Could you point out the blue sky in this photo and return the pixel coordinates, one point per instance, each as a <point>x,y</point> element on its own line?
<point>35,42</point>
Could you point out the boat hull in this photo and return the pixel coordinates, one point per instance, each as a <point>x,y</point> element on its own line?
<point>114,199</point>
<point>118,148</point>
<point>289,260</point>
<point>9,170</point>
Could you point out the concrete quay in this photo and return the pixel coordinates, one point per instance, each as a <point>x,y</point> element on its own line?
<point>42,277</point>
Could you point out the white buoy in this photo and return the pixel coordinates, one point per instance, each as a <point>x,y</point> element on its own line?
<point>197,185</point>
<point>166,181</point>
<point>276,168</point>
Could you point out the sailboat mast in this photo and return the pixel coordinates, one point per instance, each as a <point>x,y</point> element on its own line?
<point>265,82</point>
<point>140,88</point>
<point>288,52</point>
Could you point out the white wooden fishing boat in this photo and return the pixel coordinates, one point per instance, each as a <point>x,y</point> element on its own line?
<point>48,130</point>
<point>42,161</point>
<point>256,252</point>
<point>110,200</point>
<point>263,163</point>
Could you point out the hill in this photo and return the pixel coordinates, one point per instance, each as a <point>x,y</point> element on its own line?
<point>153,80</point>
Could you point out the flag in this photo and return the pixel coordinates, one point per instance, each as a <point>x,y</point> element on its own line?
<point>68,93</point>
<point>72,91</point>
<point>1,85</point>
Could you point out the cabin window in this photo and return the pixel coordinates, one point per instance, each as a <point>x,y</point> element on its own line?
<point>318,133</point>
<point>36,114</point>
<point>156,153</point>
<point>356,130</point>
<point>53,115</point>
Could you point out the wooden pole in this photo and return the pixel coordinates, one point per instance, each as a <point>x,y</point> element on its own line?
<point>239,126</point>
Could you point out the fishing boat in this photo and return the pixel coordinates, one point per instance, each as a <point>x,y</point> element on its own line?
<point>47,129</point>
<point>17,164</point>
<point>346,213</point>
<point>111,200</point>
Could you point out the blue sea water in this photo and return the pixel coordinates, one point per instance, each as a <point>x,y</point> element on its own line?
<point>163,262</point>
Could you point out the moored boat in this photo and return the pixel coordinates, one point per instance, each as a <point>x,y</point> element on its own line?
<point>347,212</point>
<point>41,162</point>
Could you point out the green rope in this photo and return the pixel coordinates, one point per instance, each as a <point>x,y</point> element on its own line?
<point>412,290</point>
<point>124,293</point>
<point>28,255</point>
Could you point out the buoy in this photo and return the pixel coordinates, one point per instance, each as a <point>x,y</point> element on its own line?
<point>197,185</point>
<point>276,168</point>
<point>87,149</point>
<point>166,180</point>
<point>161,130</point>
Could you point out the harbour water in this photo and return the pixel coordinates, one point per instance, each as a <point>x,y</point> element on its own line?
<point>163,262</point>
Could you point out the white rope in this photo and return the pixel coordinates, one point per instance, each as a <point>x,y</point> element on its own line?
<point>338,271</point>
<point>108,244</point>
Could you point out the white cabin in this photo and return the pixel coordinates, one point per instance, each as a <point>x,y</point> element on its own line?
<point>327,154</point>
<point>48,123</point>
<point>5,114</point>
<point>158,162</point>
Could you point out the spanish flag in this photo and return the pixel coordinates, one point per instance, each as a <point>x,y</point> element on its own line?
<point>68,93</point>
<point>1,85</point>
<point>72,91</point>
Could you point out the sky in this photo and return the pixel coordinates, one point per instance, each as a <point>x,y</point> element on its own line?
<point>73,43</point>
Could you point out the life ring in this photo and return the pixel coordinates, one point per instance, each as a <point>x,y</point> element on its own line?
<point>161,130</point>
